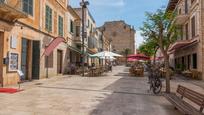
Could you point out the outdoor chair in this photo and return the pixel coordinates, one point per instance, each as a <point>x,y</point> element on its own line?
<point>196,74</point>
<point>79,71</point>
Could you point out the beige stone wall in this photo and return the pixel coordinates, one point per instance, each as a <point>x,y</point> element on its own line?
<point>122,35</point>
<point>195,9</point>
<point>12,77</point>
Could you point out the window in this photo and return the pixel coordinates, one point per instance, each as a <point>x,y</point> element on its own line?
<point>77,31</point>
<point>88,23</point>
<point>186,28</point>
<point>189,61</point>
<point>186,6</point>
<point>179,11</point>
<point>50,61</point>
<point>193,26</point>
<point>60,26</point>
<point>91,28</point>
<point>71,26</point>
<point>48,19</point>
<point>195,61</point>
<point>28,7</point>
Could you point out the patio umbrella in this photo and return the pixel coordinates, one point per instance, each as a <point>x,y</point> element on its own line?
<point>108,58</point>
<point>139,57</point>
<point>157,58</point>
<point>132,59</point>
<point>106,54</point>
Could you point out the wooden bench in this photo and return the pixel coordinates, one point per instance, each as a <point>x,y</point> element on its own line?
<point>180,103</point>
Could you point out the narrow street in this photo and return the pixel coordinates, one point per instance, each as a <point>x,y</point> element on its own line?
<point>111,94</point>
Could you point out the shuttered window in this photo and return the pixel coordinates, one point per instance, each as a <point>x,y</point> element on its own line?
<point>186,6</point>
<point>60,26</point>
<point>186,28</point>
<point>71,26</point>
<point>193,27</point>
<point>48,19</point>
<point>195,61</point>
<point>28,7</point>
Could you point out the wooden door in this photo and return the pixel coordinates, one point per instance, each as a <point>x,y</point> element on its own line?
<point>36,60</point>
<point>59,61</point>
<point>1,57</point>
<point>24,59</point>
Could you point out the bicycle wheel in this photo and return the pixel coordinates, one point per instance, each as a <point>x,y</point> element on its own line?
<point>157,86</point>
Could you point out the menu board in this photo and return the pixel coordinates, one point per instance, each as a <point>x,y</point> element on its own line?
<point>13,61</point>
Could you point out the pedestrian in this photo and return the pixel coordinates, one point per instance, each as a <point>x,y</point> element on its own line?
<point>110,66</point>
<point>73,68</point>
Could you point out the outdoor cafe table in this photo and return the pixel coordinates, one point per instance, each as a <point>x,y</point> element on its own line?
<point>138,71</point>
<point>95,70</point>
<point>187,73</point>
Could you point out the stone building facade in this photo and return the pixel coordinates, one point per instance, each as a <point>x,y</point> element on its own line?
<point>25,31</point>
<point>121,35</point>
<point>74,33</point>
<point>187,52</point>
<point>91,42</point>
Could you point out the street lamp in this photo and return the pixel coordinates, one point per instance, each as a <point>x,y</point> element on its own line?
<point>83,5</point>
<point>102,41</point>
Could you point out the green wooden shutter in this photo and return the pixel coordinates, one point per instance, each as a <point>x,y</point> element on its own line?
<point>28,7</point>
<point>60,26</point>
<point>48,19</point>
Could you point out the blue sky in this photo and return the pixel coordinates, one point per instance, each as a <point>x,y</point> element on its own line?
<point>132,11</point>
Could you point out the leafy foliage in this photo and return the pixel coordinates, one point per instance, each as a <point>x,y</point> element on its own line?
<point>148,48</point>
<point>159,30</point>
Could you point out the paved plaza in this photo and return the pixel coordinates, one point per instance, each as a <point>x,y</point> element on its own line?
<point>112,94</point>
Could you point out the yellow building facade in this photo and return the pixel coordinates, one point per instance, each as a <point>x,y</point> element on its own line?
<point>27,27</point>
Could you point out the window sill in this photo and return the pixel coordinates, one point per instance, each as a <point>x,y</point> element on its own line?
<point>50,32</point>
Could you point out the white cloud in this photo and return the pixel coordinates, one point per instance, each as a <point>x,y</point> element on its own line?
<point>138,39</point>
<point>112,3</point>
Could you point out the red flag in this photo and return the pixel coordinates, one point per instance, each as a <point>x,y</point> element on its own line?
<point>53,45</point>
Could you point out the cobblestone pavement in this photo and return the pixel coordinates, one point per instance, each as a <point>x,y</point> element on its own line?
<point>111,94</point>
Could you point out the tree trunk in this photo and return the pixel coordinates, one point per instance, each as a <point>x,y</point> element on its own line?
<point>166,61</point>
<point>154,60</point>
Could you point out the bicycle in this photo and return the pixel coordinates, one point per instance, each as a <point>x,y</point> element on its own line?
<point>155,82</point>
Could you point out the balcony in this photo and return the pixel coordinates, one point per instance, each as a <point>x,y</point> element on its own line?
<point>181,19</point>
<point>93,50</point>
<point>182,43</point>
<point>11,10</point>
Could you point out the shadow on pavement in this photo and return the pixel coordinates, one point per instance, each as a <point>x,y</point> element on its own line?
<point>130,96</point>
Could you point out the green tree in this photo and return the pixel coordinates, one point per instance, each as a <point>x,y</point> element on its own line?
<point>126,52</point>
<point>158,28</point>
<point>149,48</point>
